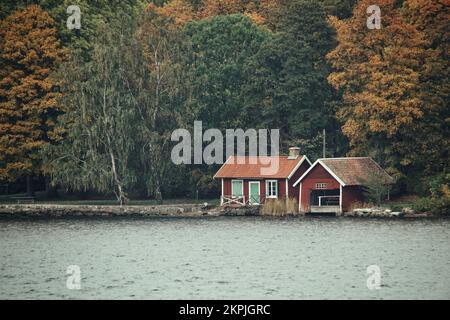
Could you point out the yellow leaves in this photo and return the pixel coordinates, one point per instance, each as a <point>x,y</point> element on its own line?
<point>405,162</point>
<point>351,129</point>
<point>445,190</point>
<point>180,11</point>
<point>256,18</point>
<point>29,51</point>
<point>379,73</point>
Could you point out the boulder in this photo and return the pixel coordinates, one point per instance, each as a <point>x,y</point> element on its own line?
<point>408,210</point>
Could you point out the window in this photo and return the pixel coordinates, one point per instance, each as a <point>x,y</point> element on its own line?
<point>237,188</point>
<point>321,186</point>
<point>271,189</point>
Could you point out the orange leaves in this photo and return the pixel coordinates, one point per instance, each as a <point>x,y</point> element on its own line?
<point>180,12</point>
<point>29,51</point>
<point>379,72</point>
<point>387,78</point>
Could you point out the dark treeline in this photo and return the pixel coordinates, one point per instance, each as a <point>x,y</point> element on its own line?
<point>93,109</point>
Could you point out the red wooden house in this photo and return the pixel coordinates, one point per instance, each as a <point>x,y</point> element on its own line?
<point>333,184</point>
<point>245,183</point>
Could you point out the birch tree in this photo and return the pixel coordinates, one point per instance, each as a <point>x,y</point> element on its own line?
<point>155,82</point>
<point>98,146</point>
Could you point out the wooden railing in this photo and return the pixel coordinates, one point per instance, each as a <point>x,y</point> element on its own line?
<point>329,201</point>
<point>232,200</point>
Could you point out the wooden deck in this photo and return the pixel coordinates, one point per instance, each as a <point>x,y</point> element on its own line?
<point>325,209</point>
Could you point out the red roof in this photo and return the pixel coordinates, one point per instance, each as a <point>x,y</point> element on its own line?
<point>351,171</point>
<point>258,166</point>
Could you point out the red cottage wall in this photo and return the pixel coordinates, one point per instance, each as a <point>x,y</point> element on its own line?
<point>281,187</point>
<point>226,187</point>
<point>293,191</point>
<point>350,195</point>
<point>316,175</point>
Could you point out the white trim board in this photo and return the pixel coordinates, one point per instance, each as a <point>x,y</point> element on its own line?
<point>319,161</point>
<point>300,198</point>
<point>287,189</point>
<point>298,166</point>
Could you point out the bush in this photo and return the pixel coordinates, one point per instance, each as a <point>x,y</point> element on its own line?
<point>436,206</point>
<point>396,207</point>
<point>439,185</point>
<point>292,206</point>
<point>359,205</point>
<point>279,207</point>
<point>438,203</point>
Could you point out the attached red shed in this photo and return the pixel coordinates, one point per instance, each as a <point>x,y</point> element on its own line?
<point>247,181</point>
<point>333,184</point>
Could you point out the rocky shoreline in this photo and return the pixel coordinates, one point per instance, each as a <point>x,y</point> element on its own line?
<point>57,211</point>
<point>385,213</point>
<point>179,210</point>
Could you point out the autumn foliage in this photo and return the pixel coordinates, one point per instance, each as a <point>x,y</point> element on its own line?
<point>262,12</point>
<point>381,74</point>
<point>29,51</point>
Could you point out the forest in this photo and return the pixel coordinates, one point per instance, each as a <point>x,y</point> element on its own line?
<point>90,110</point>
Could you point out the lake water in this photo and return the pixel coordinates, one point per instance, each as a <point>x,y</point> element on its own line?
<point>225,258</point>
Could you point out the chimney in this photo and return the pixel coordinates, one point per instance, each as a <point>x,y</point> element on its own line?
<point>294,153</point>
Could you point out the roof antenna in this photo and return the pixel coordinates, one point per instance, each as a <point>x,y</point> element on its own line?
<point>324,142</point>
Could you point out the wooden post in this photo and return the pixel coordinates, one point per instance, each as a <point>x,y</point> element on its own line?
<point>287,192</point>
<point>324,143</point>
<point>221,197</point>
<point>300,198</point>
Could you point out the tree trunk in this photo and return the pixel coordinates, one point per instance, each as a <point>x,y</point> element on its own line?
<point>120,194</point>
<point>158,194</point>
<point>50,191</point>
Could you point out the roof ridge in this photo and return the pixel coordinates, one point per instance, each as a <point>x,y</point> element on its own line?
<point>259,156</point>
<point>252,166</point>
<point>344,158</point>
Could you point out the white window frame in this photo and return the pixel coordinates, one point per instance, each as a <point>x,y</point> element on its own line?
<point>242,187</point>
<point>268,189</point>
<point>321,186</point>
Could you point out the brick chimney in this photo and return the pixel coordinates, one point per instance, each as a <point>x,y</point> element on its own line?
<point>294,153</point>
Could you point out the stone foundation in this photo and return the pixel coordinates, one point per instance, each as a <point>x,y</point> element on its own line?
<point>48,210</point>
<point>240,211</point>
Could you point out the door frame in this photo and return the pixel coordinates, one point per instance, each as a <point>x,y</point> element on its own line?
<point>250,194</point>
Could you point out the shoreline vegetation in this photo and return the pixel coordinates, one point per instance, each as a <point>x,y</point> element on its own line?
<point>61,210</point>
